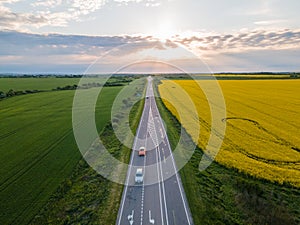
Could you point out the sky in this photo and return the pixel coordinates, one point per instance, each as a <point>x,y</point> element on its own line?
<point>105,36</point>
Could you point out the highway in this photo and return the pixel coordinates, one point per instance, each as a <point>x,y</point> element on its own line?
<point>160,199</point>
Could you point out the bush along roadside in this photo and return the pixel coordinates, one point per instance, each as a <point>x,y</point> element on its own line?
<point>12,93</point>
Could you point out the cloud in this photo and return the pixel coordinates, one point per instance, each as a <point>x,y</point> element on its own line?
<point>20,21</point>
<point>84,7</point>
<point>247,50</point>
<point>148,3</point>
<point>55,49</point>
<point>55,13</point>
<point>12,42</point>
<point>47,3</point>
<point>257,50</point>
<point>286,60</point>
<point>8,1</point>
<point>242,41</point>
<point>269,22</point>
<point>11,20</point>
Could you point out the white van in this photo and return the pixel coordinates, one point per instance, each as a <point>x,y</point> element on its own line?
<point>139,176</point>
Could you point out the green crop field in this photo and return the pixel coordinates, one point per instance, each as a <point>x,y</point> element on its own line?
<point>37,146</point>
<point>86,197</point>
<point>22,84</point>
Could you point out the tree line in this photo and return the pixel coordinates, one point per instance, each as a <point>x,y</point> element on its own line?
<point>12,93</point>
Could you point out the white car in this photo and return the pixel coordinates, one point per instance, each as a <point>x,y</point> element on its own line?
<point>139,176</point>
<point>142,151</point>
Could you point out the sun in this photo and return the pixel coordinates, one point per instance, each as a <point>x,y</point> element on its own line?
<point>165,31</point>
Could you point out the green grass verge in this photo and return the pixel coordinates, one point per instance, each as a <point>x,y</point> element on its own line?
<point>86,197</point>
<point>220,195</point>
<point>38,150</point>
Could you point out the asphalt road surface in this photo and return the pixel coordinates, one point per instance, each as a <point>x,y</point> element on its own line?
<point>160,199</point>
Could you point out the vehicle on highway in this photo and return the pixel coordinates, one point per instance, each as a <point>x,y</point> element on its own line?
<point>142,151</point>
<point>139,176</point>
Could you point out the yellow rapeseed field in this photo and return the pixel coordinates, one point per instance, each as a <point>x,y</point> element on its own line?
<point>263,124</point>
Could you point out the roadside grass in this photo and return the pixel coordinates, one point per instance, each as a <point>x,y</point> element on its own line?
<point>86,197</point>
<point>221,195</point>
<point>38,149</point>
